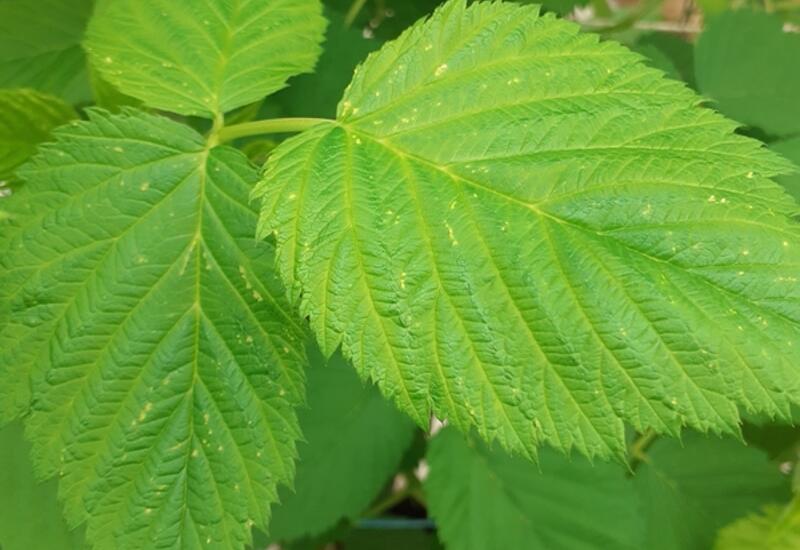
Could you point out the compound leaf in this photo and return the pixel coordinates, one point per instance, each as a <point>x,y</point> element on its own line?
<point>689,490</point>
<point>483,499</point>
<point>747,65</point>
<point>26,119</point>
<point>354,440</point>
<point>164,365</point>
<point>525,230</point>
<point>204,57</point>
<point>40,46</point>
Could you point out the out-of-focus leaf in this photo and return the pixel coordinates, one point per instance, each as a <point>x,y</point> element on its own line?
<point>316,94</point>
<point>689,490</point>
<point>40,46</point>
<point>790,148</point>
<point>749,68</point>
<point>30,514</point>
<point>108,96</point>
<point>26,119</point>
<point>484,499</point>
<point>669,53</point>
<point>354,440</point>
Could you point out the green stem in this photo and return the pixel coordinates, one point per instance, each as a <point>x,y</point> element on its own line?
<point>352,13</point>
<point>270,126</point>
<point>388,503</point>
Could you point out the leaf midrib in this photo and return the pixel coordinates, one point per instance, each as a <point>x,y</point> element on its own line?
<point>534,207</point>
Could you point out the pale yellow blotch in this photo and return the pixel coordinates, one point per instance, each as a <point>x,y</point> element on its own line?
<point>147,408</point>
<point>451,234</point>
<point>441,69</point>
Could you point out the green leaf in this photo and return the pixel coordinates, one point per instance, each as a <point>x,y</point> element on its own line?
<point>688,491</point>
<point>790,148</point>
<point>775,528</point>
<point>30,516</point>
<point>204,57</point>
<point>522,229</point>
<point>26,119</point>
<point>40,46</point>
<point>354,440</point>
<point>483,499</point>
<point>165,367</point>
<point>757,85</point>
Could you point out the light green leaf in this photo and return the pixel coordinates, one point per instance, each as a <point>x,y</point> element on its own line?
<point>525,230</point>
<point>165,367</point>
<point>354,440</point>
<point>204,57</point>
<point>747,65</point>
<point>26,119</point>
<point>775,528</point>
<point>688,491</point>
<point>40,46</point>
<point>483,499</point>
<point>790,148</point>
<point>30,516</point>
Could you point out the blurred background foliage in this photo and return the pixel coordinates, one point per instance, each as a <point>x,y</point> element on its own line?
<point>364,468</point>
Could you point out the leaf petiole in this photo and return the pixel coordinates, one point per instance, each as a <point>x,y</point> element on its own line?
<point>269,126</point>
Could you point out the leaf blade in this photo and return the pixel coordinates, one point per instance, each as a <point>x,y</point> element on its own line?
<point>571,261</point>
<point>165,372</point>
<point>162,54</point>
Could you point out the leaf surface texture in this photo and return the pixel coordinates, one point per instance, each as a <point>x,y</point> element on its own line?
<point>204,57</point>
<point>521,229</point>
<point>163,360</point>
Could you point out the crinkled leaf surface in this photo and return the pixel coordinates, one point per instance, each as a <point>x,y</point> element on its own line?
<point>354,440</point>
<point>484,499</point>
<point>748,66</point>
<point>26,119</point>
<point>40,46</point>
<point>528,231</point>
<point>165,369</point>
<point>204,57</point>
<point>30,515</point>
<point>690,490</point>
